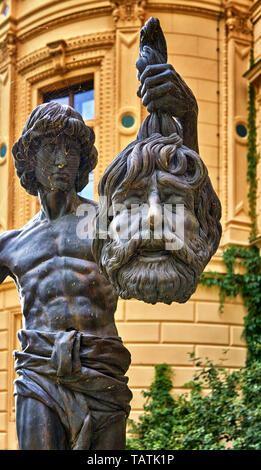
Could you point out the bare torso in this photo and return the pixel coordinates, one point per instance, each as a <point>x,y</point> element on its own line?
<point>57,278</point>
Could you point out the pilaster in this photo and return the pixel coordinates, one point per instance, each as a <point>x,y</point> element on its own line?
<point>238,44</point>
<point>253,76</point>
<point>128,17</point>
<point>8,49</point>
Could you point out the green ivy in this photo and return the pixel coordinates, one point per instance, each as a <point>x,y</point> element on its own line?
<point>227,417</point>
<point>248,285</point>
<point>252,156</point>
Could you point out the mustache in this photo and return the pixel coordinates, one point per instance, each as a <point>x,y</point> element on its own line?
<point>117,254</point>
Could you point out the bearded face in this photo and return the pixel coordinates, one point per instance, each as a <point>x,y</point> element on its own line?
<point>155,253</point>
<point>159,240</point>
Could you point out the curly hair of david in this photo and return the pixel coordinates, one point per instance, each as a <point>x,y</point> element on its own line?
<point>53,119</point>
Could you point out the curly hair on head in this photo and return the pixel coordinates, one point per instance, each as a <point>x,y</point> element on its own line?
<point>52,119</point>
<point>186,171</point>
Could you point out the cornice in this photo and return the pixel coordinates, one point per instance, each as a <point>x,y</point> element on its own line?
<point>253,75</point>
<point>87,42</point>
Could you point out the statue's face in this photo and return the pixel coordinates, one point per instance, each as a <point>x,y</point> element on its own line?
<point>57,162</point>
<point>159,251</point>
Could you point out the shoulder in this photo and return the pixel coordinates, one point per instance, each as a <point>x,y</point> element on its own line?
<point>32,222</point>
<point>6,238</point>
<point>10,235</point>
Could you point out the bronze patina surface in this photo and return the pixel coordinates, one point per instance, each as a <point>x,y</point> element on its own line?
<point>71,390</point>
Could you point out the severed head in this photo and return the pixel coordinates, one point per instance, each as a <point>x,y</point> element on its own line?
<point>158,222</point>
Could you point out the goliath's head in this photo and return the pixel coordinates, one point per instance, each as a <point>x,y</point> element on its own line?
<point>163,217</point>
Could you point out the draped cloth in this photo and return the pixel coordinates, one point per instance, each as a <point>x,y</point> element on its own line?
<point>78,375</point>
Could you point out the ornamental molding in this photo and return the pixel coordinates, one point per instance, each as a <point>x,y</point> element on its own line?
<point>56,50</point>
<point>253,75</point>
<point>62,52</point>
<point>128,13</point>
<point>8,47</point>
<point>238,22</point>
<point>49,71</point>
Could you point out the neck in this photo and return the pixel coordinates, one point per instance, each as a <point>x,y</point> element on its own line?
<point>56,204</point>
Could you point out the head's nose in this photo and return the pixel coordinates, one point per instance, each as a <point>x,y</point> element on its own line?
<point>61,158</point>
<point>154,212</point>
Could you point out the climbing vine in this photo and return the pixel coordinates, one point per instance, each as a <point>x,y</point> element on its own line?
<point>252,156</point>
<point>248,284</point>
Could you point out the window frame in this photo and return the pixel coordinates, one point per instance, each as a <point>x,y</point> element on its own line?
<point>70,90</point>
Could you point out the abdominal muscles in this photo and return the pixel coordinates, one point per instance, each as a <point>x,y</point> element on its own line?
<point>64,294</point>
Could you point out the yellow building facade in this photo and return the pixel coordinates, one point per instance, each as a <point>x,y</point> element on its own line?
<point>47,46</point>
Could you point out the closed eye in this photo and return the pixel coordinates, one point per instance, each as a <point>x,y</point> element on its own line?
<point>133,200</point>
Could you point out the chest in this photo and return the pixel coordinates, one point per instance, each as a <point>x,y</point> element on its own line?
<point>45,241</point>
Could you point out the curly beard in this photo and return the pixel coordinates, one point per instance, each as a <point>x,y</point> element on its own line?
<point>172,277</point>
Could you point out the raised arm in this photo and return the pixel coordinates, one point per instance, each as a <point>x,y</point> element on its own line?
<point>162,89</point>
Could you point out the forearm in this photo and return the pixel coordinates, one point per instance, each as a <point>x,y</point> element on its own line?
<point>190,130</point>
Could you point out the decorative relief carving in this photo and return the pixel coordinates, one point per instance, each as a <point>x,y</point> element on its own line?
<point>7,48</point>
<point>57,53</point>
<point>237,21</point>
<point>128,12</point>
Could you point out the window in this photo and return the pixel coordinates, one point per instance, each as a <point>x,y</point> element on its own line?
<point>81,98</point>
<point>4,8</point>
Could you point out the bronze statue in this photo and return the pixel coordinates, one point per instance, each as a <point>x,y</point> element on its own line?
<point>146,184</point>
<point>71,391</point>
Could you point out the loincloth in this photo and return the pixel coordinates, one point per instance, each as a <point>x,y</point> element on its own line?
<point>79,376</point>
